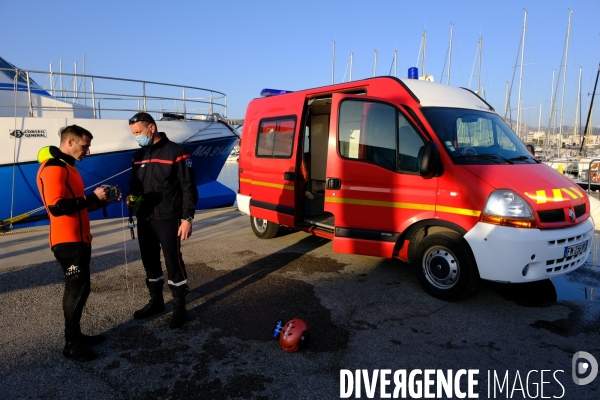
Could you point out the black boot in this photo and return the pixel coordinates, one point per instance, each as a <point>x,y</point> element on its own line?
<point>154,306</point>
<point>91,340</point>
<point>178,317</point>
<point>78,352</point>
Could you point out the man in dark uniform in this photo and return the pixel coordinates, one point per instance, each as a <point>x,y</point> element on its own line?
<point>62,192</point>
<point>163,194</point>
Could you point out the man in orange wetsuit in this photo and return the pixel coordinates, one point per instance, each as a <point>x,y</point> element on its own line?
<point>62,192</point>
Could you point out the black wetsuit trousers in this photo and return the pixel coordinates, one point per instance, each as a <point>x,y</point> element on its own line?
<point>152,236</point>
<point>74,259</point>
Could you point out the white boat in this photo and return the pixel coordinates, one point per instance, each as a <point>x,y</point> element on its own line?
<point>31,116</point>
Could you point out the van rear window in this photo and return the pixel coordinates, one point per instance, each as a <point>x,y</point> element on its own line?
<point>276,137</point>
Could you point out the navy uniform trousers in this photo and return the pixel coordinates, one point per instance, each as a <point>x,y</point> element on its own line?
<point>152,236</point>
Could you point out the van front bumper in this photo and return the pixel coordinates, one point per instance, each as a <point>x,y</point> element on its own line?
<point>517,255</point>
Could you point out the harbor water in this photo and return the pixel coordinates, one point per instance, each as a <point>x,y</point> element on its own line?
<point>229,175</point>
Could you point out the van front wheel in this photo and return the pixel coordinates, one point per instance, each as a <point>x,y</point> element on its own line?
<point>263,229</point>
<point>445,266</point>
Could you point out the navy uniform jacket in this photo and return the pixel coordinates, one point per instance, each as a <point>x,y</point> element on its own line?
<point>164,177</point>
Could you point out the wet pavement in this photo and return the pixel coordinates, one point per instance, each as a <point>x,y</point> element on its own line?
<point>363,313</point>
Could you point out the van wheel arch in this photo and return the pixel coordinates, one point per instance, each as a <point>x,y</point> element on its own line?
<point>418,231</point>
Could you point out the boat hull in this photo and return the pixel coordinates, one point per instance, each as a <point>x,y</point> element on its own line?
<point>208,157</point>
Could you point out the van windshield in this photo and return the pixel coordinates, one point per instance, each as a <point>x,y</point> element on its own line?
<point>476,137</point>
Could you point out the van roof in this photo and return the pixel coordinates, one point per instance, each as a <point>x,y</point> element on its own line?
<point>432,94</point>
<point>426,93</point>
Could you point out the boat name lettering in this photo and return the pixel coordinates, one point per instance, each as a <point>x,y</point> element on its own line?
<point>211,151</point>
<point>28,133</point>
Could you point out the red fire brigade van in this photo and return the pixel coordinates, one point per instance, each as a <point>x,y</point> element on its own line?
<point>415,170</point>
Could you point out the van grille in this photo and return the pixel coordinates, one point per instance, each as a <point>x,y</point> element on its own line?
<point>552,215</point>
<point>571,262</point>
<point>559,215</point>
<point>579,210</point>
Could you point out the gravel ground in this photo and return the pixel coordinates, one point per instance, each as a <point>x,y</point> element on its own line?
<point>363,312</point>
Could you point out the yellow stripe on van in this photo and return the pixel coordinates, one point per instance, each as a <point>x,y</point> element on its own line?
<point>541,197</point>
<point>461,211</point>
<point>411,206</point>
<point>567,191</point>
<point>267,184</point>
<point>361,202</point>
<point>577,190</point>
<point>557,195</point>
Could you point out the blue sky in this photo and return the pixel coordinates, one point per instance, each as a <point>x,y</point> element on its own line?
<point>241,47</point>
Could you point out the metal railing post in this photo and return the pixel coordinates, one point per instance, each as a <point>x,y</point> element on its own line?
<point>184,106</point>
<point>28,92</point>
<point>144,94</point>
<point>93,96</point>
<point>51,81</point>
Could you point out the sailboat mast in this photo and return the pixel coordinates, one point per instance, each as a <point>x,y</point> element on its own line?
<point>552,99</point>
<point>562,105</point>
<point>479,71</point>
<point>540,120</point>
<point>521,77</point>
<point>576,124</point>
<point>424,45</point>
<point>507,100</point>
<point>332,62</point>
<point>375,64</point>
<point>591,106</point>
<point>450,53</point>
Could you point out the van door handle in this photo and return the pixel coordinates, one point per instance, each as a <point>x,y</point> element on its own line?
<point>334,183</point>
<point>289,176</point>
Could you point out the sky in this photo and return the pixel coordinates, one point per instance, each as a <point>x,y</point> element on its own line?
<point>241,47</point>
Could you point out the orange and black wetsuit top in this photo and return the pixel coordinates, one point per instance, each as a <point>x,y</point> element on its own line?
<point>62,191</point>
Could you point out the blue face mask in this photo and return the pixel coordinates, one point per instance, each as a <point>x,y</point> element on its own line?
<point>143,140</point>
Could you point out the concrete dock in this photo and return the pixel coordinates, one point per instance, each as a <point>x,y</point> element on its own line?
<point>364,313</point>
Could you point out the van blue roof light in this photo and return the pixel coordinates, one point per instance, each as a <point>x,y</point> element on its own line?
<point>273,92</point>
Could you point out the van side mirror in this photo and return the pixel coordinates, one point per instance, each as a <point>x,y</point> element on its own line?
<point>428,159</point>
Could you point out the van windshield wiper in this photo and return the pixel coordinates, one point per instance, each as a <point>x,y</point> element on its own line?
<point>523,158</point>
<point>494,157</point>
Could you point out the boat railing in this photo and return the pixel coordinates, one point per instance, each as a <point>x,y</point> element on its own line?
<point>111,96</point>
<point>585,171</point>
<point>594,165</point>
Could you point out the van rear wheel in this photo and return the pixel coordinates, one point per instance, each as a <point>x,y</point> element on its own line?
<point>445,266</point>
<point>263,229</point>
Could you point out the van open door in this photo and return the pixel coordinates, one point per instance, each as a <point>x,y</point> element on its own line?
<point>373,187</point>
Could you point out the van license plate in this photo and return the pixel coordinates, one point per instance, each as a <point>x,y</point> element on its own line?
<point>576,249</point>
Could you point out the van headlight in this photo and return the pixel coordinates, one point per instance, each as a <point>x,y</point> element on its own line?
<point>505,207</point>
